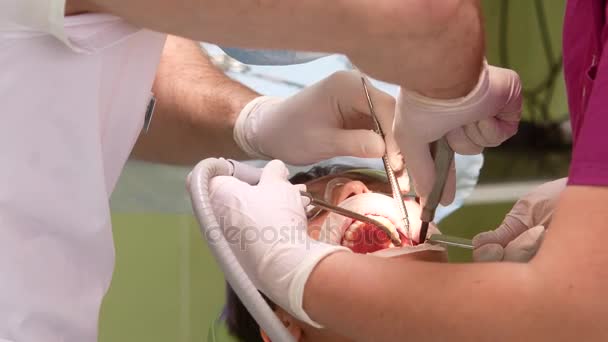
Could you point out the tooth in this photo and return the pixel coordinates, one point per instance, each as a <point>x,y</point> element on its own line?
<point>355,226</point>
<point>347,243</point>
<point>349,235</point>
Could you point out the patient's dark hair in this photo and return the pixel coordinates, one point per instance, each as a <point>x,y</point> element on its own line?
<point>239,321</point>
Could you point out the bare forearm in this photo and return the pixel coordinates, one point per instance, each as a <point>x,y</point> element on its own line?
<point>417,301</point>
<point>558,296</point>
<point>432,46</point>
<point>197,106</point>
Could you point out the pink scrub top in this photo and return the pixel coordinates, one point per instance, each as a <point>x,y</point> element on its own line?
<point>586,74</point>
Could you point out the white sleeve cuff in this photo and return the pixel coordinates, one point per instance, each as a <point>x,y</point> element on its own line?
<point>296,289</point>
<point>479,92</point>
<point>246,127</point>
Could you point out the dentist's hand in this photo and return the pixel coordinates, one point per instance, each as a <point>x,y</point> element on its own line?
<point>266,228</point>
<point>520,234</point>
<point>486,117</point>
<point>328,119</point>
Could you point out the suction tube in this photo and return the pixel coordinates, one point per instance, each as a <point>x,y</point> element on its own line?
<point>198,186</point>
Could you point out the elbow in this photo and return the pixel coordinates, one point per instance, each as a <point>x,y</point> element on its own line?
<point>456,29</point>
<point>458,25</point>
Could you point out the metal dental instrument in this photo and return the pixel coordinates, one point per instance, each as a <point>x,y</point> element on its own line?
<point>392,179</point>
<point>452,241</point>
<point>351,214</point>
<point>443,155</point>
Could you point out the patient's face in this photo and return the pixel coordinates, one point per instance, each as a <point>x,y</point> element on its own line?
<point>371,198</point>
<point>367,197</point>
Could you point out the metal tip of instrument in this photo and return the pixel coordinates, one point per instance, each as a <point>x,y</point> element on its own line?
<point>395,239</point>
<point>423,231</point>
<point>451,241</point>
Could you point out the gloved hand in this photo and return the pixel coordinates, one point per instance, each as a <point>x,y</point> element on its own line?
<point>486,117</point>
<point>266,227</point>
<point>328,119</point>
<point>520,234</point>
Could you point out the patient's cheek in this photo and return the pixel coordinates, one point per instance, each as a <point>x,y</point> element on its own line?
<point>361,237</point>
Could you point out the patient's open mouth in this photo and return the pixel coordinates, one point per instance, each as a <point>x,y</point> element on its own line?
<point>363,237</point>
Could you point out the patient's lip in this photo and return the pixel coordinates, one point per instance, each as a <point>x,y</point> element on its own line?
<point>381,206</point>
<point>363,237</point>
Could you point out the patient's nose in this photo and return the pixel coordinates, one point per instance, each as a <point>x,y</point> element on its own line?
<point>347,189</point>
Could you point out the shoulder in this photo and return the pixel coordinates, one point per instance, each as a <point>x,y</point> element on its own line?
<point>36,17</point>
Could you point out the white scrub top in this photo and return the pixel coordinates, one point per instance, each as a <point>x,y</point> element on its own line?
<point>73,95</point>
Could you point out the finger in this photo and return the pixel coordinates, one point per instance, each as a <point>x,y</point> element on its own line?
<point>474,134</point>
<point>485,238</point>
<point>525,246</point>
<point>223,188</point>
<point>420,167</point>
<point>495,131</point>
<point>356,143</point>
<point>449,190</point>
<point>384,107</point>
<point>488,253</point>
<point>509,230</point>
<point>395,158</point>
<point>461,144</point>
<point>274,171</point>
<point>403,179</point>
<point>509,83</point>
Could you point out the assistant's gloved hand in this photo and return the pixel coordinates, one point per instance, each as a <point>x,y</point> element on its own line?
<point>486,117</point>
<point>328,119</point>
<point>520,234</point>
<point>266,228</point>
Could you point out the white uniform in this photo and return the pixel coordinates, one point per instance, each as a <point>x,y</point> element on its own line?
<point>72,100</point>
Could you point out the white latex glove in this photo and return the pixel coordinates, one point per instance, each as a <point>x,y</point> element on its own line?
<point>328,119</point>
<point>486,117</point>
<point>266,228</point>
<point>520,234</point>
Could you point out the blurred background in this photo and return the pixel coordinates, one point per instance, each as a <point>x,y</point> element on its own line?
<point>166,285</point>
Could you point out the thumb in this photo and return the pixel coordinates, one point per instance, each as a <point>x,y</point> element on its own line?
<point>525,246</point>
<point>356,143</point>
<point>488,253</point>
<point>485,238</point>
<point>510,228</point>
<point>274,171</point>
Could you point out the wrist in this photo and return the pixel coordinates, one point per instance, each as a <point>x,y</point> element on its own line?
<point>247,126</point>
<point>475,95</point>
<point>316,282</point>
<point>303,273</point>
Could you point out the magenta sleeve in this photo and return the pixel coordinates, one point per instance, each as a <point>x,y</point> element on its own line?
<point>589,164</point>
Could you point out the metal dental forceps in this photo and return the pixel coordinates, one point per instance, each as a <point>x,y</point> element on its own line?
<point>351,214</point>
<point>443,156</point>
<point>452,241</point>
<point>392,179</point>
